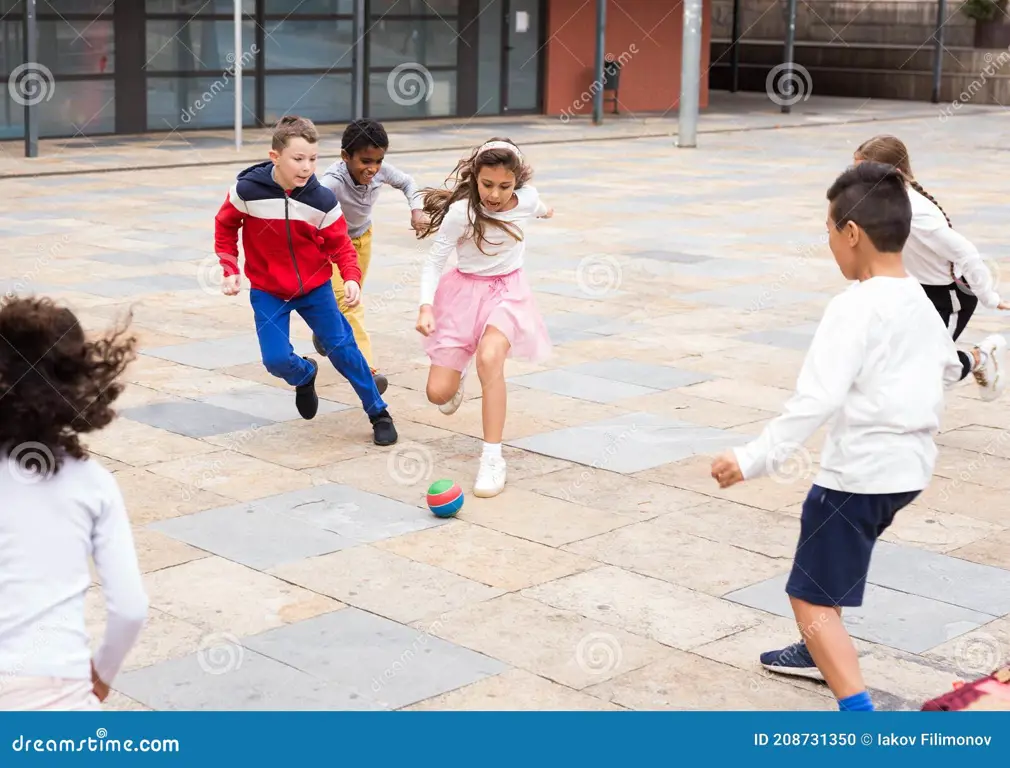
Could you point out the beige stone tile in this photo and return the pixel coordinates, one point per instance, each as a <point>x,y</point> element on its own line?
<point>135,396</point>
<point>513,691</point>
<point>220,596</point>
<point>118,702</point>
<point>696,410</point>
<point>486,556</point>
<point>112,465</point>
<point>993,549</point>
<point>156,550</point>
<point>150,497</point>
<point>559,645</point>
<point>914,679</point>
<point>613,492</point>
<point>966,499</point>
<point>543,519</point>
<point>139,445</point>
<point>400,475</point>
<point>918,526</point>
<point>957,468</point>
<point>522,465</point>
<point>663,612</point>
<point>685,681</point>
<point>385,583</point>
<point>299,444</point>
<point>745,395</point>
<point>768,533</point>
<point>234,475</point>
<point>657,549</point>
<point>984,440</point>
<point>184,381</point>
<point>976,653</point>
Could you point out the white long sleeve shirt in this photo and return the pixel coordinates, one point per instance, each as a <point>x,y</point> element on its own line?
<point>502,253</point>
<point>49,528</point>
<point>357,200</point>
<point>877,366</point>
<point>932,248</point>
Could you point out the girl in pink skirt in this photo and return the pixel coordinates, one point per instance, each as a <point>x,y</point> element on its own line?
<point>484,307</point>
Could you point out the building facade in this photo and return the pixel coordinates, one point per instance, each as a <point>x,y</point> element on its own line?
<point>137,66</point>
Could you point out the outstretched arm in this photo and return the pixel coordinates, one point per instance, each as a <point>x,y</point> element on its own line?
<point>449,234</point>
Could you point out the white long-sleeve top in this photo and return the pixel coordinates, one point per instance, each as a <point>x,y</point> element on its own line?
<point>877,366</point>
<point>932,248</point>
<point>502,253</point>
<point>49,528</point>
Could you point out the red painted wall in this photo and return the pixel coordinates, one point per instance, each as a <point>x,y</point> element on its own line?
<point>645,34</point>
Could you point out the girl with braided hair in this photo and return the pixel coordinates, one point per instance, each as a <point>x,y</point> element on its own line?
<point>948,267</point>
<point>483,308</point>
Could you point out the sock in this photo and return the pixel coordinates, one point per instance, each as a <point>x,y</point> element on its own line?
<point>491,451</point>
<point>859,702</point>
<point>982,359</point>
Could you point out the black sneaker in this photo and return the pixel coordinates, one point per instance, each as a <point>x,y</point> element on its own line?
<point>381,382</point>
<point>318,345</point>
<point>383,431</point>
<point>794,660</point>
<point>306,399</point>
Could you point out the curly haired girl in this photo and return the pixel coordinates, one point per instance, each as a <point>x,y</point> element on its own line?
<point>484,307</point>
<point>948,267</point>
<point>60,510</point>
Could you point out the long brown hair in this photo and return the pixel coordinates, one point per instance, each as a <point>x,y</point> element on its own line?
<point>464,187</point>
<point>891,150</point>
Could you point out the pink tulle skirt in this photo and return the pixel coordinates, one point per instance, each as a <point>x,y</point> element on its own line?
<point>465,305</point>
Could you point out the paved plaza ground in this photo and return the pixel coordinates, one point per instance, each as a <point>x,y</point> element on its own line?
<point>293,564</point>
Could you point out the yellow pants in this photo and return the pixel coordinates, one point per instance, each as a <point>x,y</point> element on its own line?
<point>356,315</point>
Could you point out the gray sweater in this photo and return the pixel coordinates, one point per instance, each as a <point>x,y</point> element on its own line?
<point>356,200</point>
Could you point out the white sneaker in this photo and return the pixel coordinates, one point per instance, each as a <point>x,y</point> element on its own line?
<point>457,400</point>
<point>989,375</point>
<point>490,478</point>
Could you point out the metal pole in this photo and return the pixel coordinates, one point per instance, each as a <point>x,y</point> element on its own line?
<point>787,106</point>
<point>358,58</point>
<point>31,46</point>
<point>735,50</point>
<point>690,75</point>
<point>601,44</point>
<point>238,75</point>
<point>941,12</point>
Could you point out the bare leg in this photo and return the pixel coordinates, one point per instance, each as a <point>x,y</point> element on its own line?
<point>442,384</point>
<point>491,354</point>
<point>830,646</point>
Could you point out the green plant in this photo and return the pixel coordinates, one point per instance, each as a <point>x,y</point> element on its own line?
<point>985,10</point>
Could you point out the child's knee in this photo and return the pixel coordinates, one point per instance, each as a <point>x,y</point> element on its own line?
<point>490,360</point>
<point>438,393</point>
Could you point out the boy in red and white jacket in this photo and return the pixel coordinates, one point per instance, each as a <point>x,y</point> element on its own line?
<point>292,229</point>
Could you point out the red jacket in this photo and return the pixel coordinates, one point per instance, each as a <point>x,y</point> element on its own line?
<point>289,238</point>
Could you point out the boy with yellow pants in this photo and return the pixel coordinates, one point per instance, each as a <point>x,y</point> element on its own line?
<point>356,179</point>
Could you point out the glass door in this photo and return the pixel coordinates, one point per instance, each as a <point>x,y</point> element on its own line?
<point>521,56</point>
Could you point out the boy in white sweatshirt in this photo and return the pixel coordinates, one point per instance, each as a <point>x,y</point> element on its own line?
<point>877,367</point>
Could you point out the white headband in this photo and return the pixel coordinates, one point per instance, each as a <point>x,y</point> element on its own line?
<point>501,145</point>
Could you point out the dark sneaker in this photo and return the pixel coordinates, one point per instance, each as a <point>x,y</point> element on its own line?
<point>381,382</point>
<point>306,399</point>
<point>383,431</point>
<point>794,660</point>
<point>318,345</point>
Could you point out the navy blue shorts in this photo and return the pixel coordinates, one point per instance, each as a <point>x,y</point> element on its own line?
<point>837,534</point>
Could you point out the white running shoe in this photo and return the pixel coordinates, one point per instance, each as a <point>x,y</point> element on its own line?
<point>457,400</point>
<point>989,375</point>
<point>490,478</point>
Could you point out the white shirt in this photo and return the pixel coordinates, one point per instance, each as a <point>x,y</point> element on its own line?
<point>49,528</point>
<point>877,367</point>
<point>932,248</point>
<point>502,253</point>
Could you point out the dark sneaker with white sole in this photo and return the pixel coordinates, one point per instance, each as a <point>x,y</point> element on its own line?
<point>383,430</point>
<point>794,660</point>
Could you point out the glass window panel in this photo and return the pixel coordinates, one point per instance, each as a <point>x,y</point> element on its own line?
<point>63,7</point>
<point>309,44</point>
<point>415,7</point>
<point>283,7</point>
<point>321,98</point>
<point>489,49</point>
<point>429,43</point>
<point>388,99</point>
<point>197,102</point>
<point>86,109</point>
<point>201,7</point>
<point>524,57</point>
<point>87,49</point>
<point>194,46</point>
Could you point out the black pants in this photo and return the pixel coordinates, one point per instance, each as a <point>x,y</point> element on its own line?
<point>956,306</point>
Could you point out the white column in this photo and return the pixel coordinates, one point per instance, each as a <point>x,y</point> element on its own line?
<point>690,75</point>
<point>238,75</point>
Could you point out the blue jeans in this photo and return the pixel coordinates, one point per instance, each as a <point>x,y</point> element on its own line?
<point>319,310</point>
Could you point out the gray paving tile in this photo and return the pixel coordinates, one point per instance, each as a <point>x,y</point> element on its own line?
<point>728,268</point>
<point>257,538</point>
<point>751,297</point>
<point>783,339</point>
<point>941,577</point>
<point>659,377</point>
<point>233,677</point>
<point>388,662</point>
<point>220,353</point>
<point>137,286</point>
<point>573,291</point>
<point>675,256</point>
<point>148,258</point>
<point>353,514</point>
<point>266,402</point>
<point>561,336</point>
<point>629,443</point>
<point>581,386</point>
<point>895,619</point>
<point>193,419</point>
